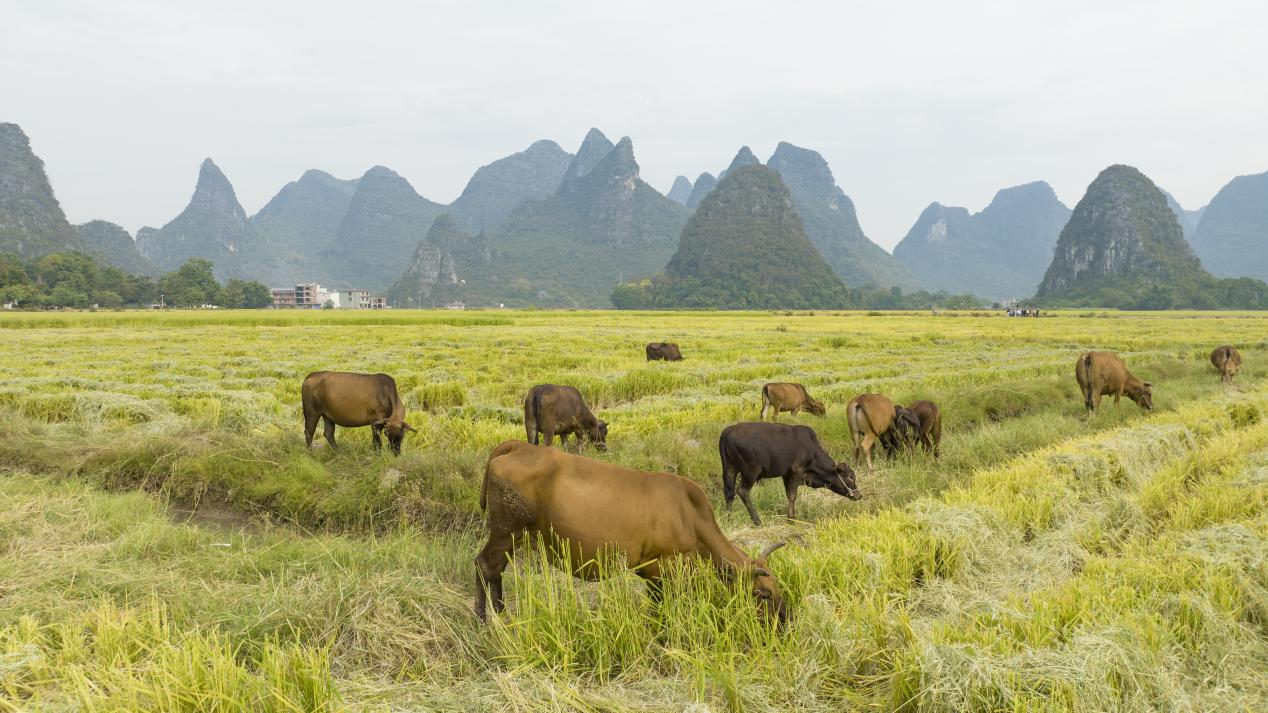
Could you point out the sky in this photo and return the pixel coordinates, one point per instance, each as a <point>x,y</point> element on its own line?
<point>909,102</point>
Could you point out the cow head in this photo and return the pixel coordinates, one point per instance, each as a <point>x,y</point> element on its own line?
<point>1143,396</point>
<point>906,426</point>
<point>839,480</point>
<point>766,590</point>
<point>815,407</point>
<point>395,430</point>
<point>598,434</point>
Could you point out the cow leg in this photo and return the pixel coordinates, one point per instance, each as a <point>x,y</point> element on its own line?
<point>746,483</point>
<point>563,440</point>
<point>490,563</point>
<point>728,486</point>
<point>868,441</point>
<point>330,432</point>
<point>378,440</point>
<point>650,572</point>
<point>311,417</point>
<point>548,436</point>
<point>1117,395</point>
<point>791,484</point>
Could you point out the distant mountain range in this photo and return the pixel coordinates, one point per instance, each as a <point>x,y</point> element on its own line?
<point>551,228</point>
<point>602,224</point>
<point>1232,235</point>
<point>1000,252</point>
<point>744,247</point>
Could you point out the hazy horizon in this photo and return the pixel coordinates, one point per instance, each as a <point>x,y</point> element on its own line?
<point>908,105</point>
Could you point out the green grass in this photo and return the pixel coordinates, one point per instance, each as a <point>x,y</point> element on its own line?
<point>1047,562</point>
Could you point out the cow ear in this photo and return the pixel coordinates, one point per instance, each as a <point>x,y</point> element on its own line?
<point>409,428</point>
<point>760,572</point>
<point>1149,385</point>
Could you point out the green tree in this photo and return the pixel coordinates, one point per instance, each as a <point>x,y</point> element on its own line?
<point>192,285</point>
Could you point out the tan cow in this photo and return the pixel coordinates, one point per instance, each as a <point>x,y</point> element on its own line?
<point>870,417</point>
<point>1227,361</point>
<point>1103,373</point>
<point>350,400</point>
<point>583,509</point>
<point>788,397</point>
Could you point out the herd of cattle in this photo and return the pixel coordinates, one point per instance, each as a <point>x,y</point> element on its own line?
<point>585,510</point>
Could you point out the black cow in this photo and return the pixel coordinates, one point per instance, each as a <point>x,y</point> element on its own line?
<point>775,450</point>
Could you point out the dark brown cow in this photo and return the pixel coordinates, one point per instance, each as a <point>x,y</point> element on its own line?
<point>351,400</point>
<point>1103,373</point>
<point>756,451</point>
<point>584,510</point>
<point>552,411</point>
<point>788,397</point>
<point>1227,361</point>
<point>667,351</point>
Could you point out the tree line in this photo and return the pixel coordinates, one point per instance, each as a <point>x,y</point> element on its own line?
<point>75,280</point>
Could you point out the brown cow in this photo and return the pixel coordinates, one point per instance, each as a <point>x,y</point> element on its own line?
<point>351,400</point>
<point>583,509</point>
<point>1227,361</point>
<point>929,418</point>
<point>788,397</point>
<point>559,411</point>
<point>667,351</point>
<point>872,418</point>
<point>1102,373</point>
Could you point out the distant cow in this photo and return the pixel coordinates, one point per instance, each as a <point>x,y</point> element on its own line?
<point>666,351</point>
<point>756,451</point>
<point>351,400</point>
<point>590,511</point>
<point>1227,361</point>
<point>788,397</point>
<point>872,419</point>
<point>1103,373</point>
<point>551,411</point>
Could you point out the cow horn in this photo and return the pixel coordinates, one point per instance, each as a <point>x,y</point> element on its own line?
<point>767,552</point>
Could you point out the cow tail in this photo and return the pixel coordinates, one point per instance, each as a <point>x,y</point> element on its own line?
<point>484,488</point>
<point>765,400</point>
<point>535,407</point>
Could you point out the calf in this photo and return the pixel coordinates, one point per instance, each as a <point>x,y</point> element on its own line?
<point>756,451</point>
<point>788,397</point>
<point>1102,373</point>
<point>552,411</point>
<point>1227,361</point>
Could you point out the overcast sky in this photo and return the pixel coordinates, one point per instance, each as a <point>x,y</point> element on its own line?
<point>909,103</point>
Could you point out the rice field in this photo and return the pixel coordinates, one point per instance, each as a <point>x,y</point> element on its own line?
<point>169,543</point>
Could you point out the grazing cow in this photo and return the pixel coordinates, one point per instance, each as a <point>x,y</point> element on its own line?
<point>774,450</point>
<point>666,351</point>
<point>871,418</point>
<point>552,411</point>
<point>1227,361</point>
<point>788,397</point>
<point>1102,373</point>
<point>350,400</point>
<point>584,510</point>
<point>929,418</point>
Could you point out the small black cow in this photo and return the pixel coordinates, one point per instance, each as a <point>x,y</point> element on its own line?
<point>774,450</point>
